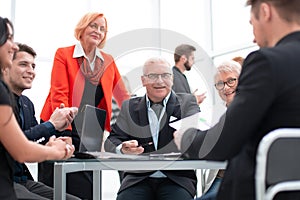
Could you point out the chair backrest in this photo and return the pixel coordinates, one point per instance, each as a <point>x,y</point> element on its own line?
<point>278,163</point>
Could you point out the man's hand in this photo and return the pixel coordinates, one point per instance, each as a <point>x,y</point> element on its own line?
<point>199,97</point>
<point>131,147</point>
<point>62,117</point>
<point>66,139</point>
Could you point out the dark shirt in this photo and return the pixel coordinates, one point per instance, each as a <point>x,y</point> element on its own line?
<point>6,161</point>
<point>92,95</point>
<point>19,115</point>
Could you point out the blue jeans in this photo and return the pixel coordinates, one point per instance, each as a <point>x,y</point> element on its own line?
<point>212,192</point>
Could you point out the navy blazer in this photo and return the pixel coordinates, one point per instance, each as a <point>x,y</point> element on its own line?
<point>133,124</point>
<point>267,98</point>
<point>32,130</point>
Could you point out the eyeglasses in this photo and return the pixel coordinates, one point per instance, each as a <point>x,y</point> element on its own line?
<point>96,27</point>
<point>230,83</point>
<point>154,77</point>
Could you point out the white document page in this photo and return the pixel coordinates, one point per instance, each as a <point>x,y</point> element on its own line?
<point>193,121</point>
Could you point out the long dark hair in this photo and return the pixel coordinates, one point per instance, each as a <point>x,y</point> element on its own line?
<point>4,29</point>
<point>4,34</point>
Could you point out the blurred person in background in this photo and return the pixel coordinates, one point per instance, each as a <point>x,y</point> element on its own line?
<point>184,57</point>
<point>239,59</point>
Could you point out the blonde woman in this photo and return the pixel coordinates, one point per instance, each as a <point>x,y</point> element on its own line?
<point>83,74</point>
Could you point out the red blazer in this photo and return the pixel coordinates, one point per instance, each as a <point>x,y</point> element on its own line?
<point>67,84</point>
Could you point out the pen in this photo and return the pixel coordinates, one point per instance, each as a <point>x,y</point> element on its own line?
<point>145,144</point>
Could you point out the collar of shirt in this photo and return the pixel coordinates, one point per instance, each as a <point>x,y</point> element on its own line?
<point>177,69</point>
<point>165,101</point>
<point>79,52</point>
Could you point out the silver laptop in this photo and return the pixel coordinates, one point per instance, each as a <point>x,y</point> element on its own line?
<point>91,137</point>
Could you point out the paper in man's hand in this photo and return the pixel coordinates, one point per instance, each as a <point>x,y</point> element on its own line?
<point>193,121</point>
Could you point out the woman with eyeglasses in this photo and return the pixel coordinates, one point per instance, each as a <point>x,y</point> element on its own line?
<point>226,81</point>
<point>83,74</point>
<point>13,143</point>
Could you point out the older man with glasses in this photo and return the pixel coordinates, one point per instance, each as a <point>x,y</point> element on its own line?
<point>142,127</point>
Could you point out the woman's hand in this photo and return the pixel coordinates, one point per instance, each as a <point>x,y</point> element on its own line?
<point>62,147</point>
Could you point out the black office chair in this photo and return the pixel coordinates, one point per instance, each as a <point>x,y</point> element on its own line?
<point>278,163</point>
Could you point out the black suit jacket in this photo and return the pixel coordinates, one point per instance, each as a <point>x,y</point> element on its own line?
<point>267,98</point>
<point>132,123</point>
<point>180,83</point>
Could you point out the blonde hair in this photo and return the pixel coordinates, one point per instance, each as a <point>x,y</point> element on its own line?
<point>84,23</point>
<point>239,59</point>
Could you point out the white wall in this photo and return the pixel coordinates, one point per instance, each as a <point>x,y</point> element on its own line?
<point>137,29</point>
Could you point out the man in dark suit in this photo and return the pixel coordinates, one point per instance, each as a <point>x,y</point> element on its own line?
<point>140,129</point>
<point>184,59</point>
<point>19,77</point>
<point>267,98</point>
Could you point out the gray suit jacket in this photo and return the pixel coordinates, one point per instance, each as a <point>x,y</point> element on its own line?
<point>180,83</point>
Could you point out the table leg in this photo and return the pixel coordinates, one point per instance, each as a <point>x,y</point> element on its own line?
<point>97,187</point>
<point>60,183</point>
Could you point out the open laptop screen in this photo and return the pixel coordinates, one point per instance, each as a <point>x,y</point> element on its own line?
<point>92,129</point>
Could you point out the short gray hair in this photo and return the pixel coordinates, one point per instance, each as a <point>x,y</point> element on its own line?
<point>155,60</point>
<point>229,66</point>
